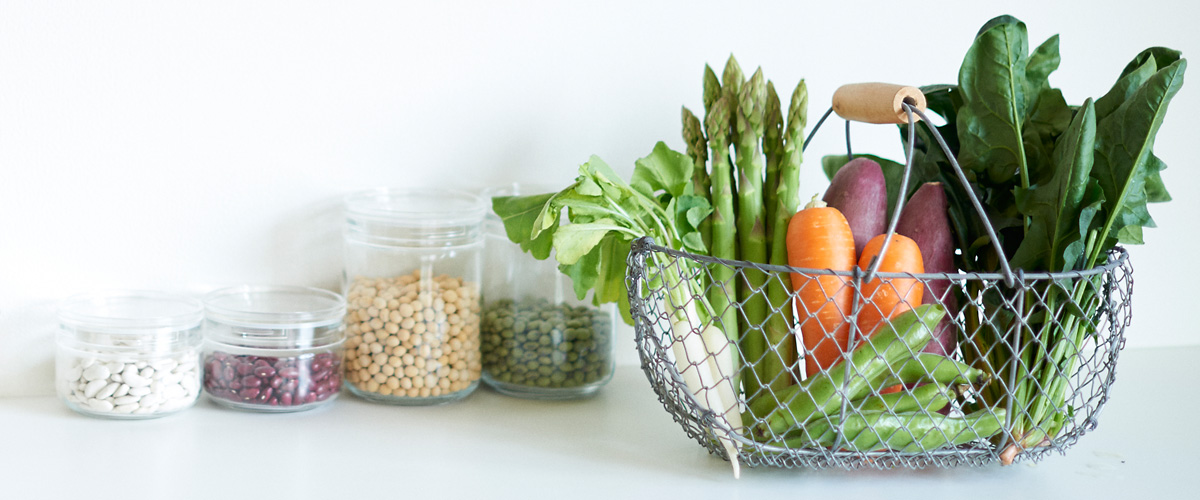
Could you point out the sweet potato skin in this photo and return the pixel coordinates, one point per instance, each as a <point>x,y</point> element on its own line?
<point>859,191</point>
<point>924,219</point>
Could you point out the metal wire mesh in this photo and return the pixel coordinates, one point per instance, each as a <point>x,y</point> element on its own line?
<point>1047,343</point>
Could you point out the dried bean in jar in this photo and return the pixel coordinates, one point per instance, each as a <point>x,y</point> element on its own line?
<point>250,381</point>
<point>412,337</point>
<point>536,343</point>
<point>128,386</point>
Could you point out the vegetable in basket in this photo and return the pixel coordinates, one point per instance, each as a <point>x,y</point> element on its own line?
<point>924,219</point>
<point>884,298</point>
<point>820,238</point>
<point>859,192</point>
<point>870,364</point>
<point>1061,185</point>
<point>904,421</point>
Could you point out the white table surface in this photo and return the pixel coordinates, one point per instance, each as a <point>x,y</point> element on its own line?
<point>619,444</point>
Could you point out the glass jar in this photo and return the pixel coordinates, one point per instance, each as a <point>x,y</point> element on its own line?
<point>412,273</point>
<point>128,355</point>
<point>273,348</point>
<point>539,340</point>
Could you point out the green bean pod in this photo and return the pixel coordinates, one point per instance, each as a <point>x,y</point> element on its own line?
<point>928,397</point>
<point>823,394</point>
<point>926,367</point>
<point>907,432</point>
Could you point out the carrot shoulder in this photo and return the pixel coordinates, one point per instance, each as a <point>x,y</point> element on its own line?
<point>819,237</point>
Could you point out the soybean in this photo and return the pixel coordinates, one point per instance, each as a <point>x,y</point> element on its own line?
<point>412,336</point>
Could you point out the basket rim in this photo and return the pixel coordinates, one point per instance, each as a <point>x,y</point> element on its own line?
<point>1117,256</point>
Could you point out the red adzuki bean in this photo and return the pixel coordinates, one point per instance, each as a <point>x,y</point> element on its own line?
<point>271,381</point>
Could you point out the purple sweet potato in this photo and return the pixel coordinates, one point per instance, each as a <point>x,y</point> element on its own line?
<point>924,219</point>
<point>859,192</point>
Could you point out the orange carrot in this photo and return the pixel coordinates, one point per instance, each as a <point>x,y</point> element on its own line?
<point>819,237</point>
<point>887,298</point>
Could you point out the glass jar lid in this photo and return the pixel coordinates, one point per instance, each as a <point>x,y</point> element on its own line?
<point>275,316</point>
<point>130,311</point>
<point>135,320</point>
<point>413,216</point>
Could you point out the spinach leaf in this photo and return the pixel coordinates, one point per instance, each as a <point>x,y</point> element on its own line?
<point>1043,61</point>
<point>1124,140</point>
<point>994,86</point>
<point>1061,209</point>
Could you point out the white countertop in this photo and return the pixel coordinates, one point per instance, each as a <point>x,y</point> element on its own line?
<point>621,444</point>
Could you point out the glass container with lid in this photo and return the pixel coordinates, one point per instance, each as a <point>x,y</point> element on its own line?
<point>273,348</point>
<point>412,272</point>
<point>539,340</point>
<point>129,354</point>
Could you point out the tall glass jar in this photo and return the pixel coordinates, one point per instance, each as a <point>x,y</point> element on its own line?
<point>539,340</point>
<point>413,262</point>
<point>273,348</point>
<point>128,355</point>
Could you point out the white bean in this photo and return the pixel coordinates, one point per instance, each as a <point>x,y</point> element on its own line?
<point>130,386</point>
<point>137,381</point>
<point>96,372</point>
<point>166,364</point>
<point>108,390</point>
<point>93,387</point>
<point>125,400</point>
<point>100,405</point>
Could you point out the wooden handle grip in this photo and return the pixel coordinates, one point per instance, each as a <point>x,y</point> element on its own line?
<point>876,102</point>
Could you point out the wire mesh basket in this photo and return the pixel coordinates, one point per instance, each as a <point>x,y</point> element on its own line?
<point>1026,361</point>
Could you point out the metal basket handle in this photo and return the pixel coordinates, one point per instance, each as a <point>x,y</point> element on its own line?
<point>884,103</point>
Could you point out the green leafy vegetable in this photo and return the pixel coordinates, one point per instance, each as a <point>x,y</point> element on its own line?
<point>1067,201</point>
<point>604,216</point>
<point>1124,160</point>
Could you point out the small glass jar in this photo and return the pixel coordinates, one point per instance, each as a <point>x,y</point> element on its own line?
<point>539,341</point>
<point>273,348</point>
<point>412,273</point>
<point>128,355</point>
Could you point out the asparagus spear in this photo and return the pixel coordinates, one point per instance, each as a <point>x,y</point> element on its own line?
<point>780,339</point>
<point>781,199</point>
<point>712,88</point>
<point>751,228</point>
<point>773,148</point>
<point>722,295</point>
<point>697,149</point>
<point>732,79</point>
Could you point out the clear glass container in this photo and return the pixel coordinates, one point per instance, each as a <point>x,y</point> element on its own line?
<point>412,271</point>
<point>273,348</point>
<point>128,355</point>
<point>539,341</point>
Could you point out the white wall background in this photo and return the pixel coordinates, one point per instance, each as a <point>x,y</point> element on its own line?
<point>185,146</point>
